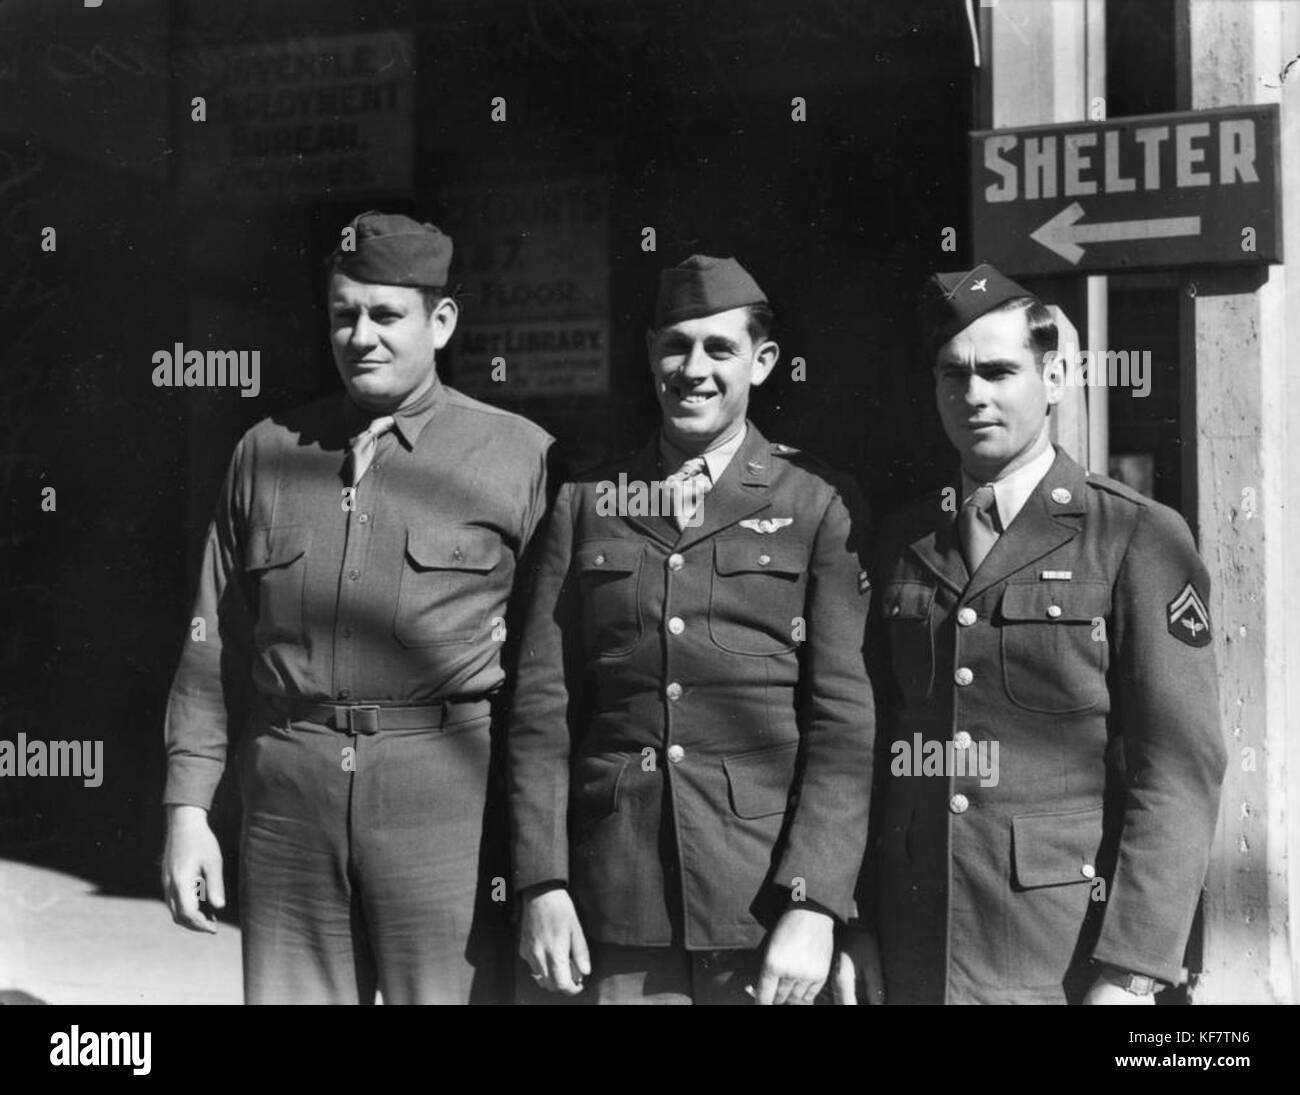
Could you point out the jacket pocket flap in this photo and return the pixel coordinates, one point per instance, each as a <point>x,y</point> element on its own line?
<point>759,555</point>
<point>276,546</point>
<point>455,548</point>
<point>1053,849</point>
<point>759,781</point>
<point>608,556</point>
<point>1055,602</point>
<point>907,601</point>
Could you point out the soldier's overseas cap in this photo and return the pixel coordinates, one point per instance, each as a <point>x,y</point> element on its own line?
<point>701,286</point>
<point>953,301</point>
<point>392,249</point>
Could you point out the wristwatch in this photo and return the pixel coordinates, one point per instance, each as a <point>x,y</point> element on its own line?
<point>1139,984</point>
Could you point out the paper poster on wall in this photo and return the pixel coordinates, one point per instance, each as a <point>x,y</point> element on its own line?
<point>534,272</point>
<point>326,117</point>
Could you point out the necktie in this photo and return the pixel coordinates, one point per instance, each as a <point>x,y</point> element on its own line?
<point>688,485</point>
<point>975,528</point>
<point>362,447</point>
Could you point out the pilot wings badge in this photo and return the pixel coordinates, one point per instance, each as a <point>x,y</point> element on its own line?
<point>767,524</point>
<point>1188,619</point>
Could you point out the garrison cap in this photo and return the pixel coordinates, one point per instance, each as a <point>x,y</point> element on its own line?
<point>951,302</point>
<point>392,249</point>
<point>701,286</point>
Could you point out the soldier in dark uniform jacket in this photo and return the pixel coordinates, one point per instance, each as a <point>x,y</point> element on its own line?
<point>1050,756</point>
<point>690,743</point>
<point>354,589</point>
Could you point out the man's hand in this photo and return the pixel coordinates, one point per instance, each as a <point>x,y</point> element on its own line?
<point>552,943</point>
<point>191,868</point>
<point>859,976</point>
<point>798,958</point>
<point>1104,992</point>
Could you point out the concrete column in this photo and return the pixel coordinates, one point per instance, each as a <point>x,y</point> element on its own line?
<point>1047,64</point>
<point>1241,364</point>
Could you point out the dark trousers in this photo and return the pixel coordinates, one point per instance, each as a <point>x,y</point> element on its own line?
<point>360,871</point>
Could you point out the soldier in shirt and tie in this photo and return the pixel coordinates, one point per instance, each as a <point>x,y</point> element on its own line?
<point>1051,756</point>
<point>354,588</point>
<point>690,743</point>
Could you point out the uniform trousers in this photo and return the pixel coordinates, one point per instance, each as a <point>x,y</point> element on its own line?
<point>360,870</point>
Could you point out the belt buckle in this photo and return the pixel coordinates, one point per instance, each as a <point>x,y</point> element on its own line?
<point>363,718</point>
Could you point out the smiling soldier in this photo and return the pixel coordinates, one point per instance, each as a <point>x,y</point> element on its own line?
<point>1062,616</point>
<point>354,585</point>
<point>690,744</point>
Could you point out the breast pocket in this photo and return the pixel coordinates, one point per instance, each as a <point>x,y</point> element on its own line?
<point>609,579</point>
<point>446,588</point>
<point>908,607</point>
<point>276,563</point>
<point>756,601</point>
<point>1054,645</point>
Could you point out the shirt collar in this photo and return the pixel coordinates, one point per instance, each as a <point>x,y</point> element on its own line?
<point>1011,492</point>
<point>409,422</point>
<point>716,459</point>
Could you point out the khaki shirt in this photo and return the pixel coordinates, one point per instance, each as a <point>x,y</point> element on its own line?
<point>396,595</point>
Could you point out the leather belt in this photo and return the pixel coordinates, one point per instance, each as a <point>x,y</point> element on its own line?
<point>374,718</point>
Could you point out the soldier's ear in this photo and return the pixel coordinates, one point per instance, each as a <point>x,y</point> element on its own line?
<point>443,320</point>
<point>766,355</point>
<point>1053,376</point>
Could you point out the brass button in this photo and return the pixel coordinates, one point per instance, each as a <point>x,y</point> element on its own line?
<point>1088,871</point>
<point>354,574</point>
<point>1060,496</point>
<point>1054,611</point>
<point>961,740</point>
<point>674,691</point>
<point>457,554</point>
<point>959,804</point>
<point>676,625</point>
<point>966,616</point>
<point>676,754</point>
<point>894,610</point>
<point>600,559</point>
<point>675,561</point>
<point>364,518</point>
<point>963,676</point>
<point>763,560</point>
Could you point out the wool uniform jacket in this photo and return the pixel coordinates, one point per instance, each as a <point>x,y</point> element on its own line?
<point>1081,647</point>
<point>691,740</point>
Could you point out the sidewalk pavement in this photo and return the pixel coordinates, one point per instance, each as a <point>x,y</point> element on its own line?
<point>65,943</point>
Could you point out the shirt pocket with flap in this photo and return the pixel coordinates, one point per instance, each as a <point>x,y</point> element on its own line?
<point>447,588</point>
<point>276,562</point>
<point>907,606</point>
<point>609,580</point>
<point>756,603</point>
<point>1054,651</point>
